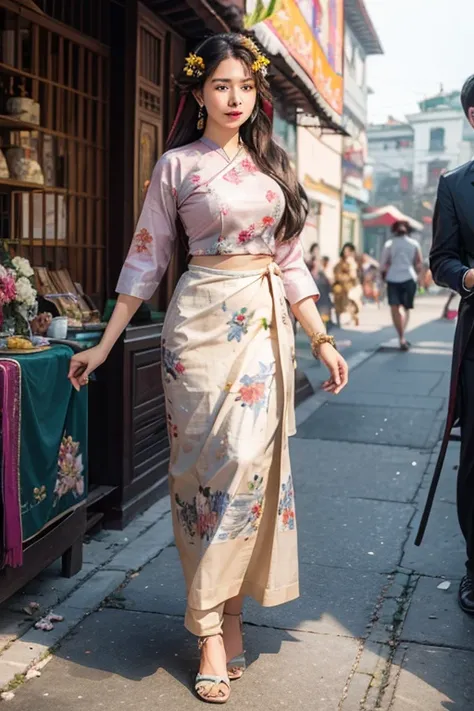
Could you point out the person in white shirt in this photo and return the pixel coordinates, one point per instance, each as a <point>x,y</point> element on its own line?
<point>401,262</point>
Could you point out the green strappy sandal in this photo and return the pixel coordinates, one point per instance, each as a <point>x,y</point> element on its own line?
<point>211,688</point>
<point>237,665</point>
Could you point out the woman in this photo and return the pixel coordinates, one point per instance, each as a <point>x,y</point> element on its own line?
<point>347,289</point>
<point>323,279</point>
<point>314,256</point>
<point>228,348</point>
<point>401,262</point>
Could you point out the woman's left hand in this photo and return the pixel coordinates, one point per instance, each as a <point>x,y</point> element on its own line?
<point>337,366</point>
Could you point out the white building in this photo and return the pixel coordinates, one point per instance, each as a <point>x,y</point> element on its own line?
<point>407,159</point>
<point>438,140</point>
<point>467,150</point>
<point>391,161</point>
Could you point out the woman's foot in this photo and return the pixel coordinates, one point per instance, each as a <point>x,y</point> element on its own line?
<point>232,629</point>
<point>234,645</point>
<point>212,681</point>
<point>213,655</point>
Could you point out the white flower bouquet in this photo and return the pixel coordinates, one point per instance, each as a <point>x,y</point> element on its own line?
<point>17,295</point>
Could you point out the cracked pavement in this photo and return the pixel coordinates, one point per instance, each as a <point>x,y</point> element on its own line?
<point>371,629</point>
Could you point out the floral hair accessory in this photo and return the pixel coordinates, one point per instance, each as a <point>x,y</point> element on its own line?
<point>261,62</point>
<point>261,65</point>
<point>194,66</point>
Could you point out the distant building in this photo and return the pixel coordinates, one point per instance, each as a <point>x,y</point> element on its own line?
<point>391,161</point>
<point>439,144</point>
<point>407,158</point>
<point>360,41</point>
<point>319,166</point>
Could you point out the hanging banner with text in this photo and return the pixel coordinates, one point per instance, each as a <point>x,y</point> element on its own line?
<point>312,31</point>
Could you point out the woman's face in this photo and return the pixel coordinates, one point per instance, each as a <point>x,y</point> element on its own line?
<point>229,95</point>
<point>348,252</point>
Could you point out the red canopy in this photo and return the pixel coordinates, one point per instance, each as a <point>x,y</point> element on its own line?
<point>386,216</point>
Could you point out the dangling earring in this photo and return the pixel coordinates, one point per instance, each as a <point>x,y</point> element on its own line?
<point>254,114</point>
<point>200,121</point>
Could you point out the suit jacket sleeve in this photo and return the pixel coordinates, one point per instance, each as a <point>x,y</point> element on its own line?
<point>446,251</point>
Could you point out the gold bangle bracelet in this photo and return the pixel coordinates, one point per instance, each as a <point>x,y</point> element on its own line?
<point>318,339</point>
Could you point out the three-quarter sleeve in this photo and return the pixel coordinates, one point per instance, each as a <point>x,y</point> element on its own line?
<point>152,244</point>
<point>297,279</point>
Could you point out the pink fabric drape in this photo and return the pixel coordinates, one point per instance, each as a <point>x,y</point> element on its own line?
<point>10,398</point>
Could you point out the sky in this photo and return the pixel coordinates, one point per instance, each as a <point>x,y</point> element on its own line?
<point>426,43</point>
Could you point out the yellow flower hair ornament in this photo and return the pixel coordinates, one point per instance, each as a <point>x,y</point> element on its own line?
<point>261,62</point>
<point>194,66</point>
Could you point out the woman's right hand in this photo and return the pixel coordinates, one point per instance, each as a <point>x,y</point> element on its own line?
<point>83,364</point>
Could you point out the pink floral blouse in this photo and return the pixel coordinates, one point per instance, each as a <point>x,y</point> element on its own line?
<point>226,207</point>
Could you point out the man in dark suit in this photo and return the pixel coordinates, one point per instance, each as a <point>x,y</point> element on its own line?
<point>452,262</point>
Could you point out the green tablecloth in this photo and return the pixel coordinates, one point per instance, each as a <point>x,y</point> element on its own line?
<point>53,439</point>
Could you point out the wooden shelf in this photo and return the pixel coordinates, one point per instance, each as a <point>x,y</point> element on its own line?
<point>14,124</point>
<point>13,71</point>
<point>11,124</point>
<point>23,185</point>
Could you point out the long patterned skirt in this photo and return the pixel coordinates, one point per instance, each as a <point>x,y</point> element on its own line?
<point>228,370</point>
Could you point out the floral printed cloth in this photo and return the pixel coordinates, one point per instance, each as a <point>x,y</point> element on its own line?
<point>228,374</point>
<point>226,207</point>
<point>53,439</point>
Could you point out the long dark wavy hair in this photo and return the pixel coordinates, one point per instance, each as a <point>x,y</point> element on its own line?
<point>255,133</point>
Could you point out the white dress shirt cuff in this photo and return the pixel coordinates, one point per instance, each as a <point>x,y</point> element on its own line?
<point>469,292</point>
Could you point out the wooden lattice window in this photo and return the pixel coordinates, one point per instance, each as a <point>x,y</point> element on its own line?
<point>90,17</point>
<point>53,130</point>
<point>151,65</point>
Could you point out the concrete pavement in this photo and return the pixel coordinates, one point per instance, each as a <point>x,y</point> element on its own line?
<point>371,629</point>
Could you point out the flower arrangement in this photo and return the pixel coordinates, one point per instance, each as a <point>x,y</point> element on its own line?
<point>7,287</point>
<point>17,295</point>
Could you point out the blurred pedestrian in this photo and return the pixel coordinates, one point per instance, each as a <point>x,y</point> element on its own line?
<point>321,273</point>
<point>425,277</point>
<point>401,262</point>
<point>370,279</point>
<point>347,289</point>
<point>451,307</point>
<point>314,256</point>
<point>327,269</point>
<point>452,262</point>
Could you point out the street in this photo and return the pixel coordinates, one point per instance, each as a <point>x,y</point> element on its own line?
<point>371,629</point>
